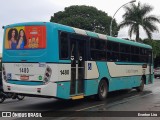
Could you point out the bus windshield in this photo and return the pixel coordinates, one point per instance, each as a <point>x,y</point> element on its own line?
<point>25,37</point>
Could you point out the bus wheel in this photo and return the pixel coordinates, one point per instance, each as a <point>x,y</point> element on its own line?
<point>2,98</point>
<point>141,87</point>
<point>20,97</point>
<point>102,90</point>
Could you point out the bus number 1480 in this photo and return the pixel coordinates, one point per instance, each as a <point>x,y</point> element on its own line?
<point>64,72</point>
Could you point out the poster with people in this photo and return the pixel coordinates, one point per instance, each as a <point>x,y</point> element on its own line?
<point>25,37</point>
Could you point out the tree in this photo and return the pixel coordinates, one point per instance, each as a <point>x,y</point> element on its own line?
<point>136,16</point>
<point>156,50</point>
<point>85,17</point>
<point>155,45</point>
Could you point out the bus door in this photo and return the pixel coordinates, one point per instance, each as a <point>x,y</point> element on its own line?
<point>78,55</point>
<point>150,67</point>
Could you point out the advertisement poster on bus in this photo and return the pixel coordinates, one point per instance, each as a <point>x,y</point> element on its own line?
<point>25,37</point>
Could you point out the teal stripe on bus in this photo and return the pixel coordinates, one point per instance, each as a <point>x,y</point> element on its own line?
<point>128,42</point>
<point>32,83</point>
<point>92,34</point>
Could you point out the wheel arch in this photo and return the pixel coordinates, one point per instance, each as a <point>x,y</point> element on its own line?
<point>107,81</point>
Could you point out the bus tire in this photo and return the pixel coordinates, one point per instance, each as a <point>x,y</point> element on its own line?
<point>2,98</point>
<point>102,90</point>
<point>20,97</point>
<point>141,87</point>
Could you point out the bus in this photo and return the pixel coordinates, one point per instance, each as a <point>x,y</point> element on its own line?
<point>47,59</point>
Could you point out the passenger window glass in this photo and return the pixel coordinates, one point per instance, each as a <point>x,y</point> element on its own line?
<point>115,47</point>
<point>125,57</point>
<point>97,44</point>
<point>98,49</point>
<point>134,50</point>
<point>112,56</point>
<point>64,45</point>
<point>124,48</point>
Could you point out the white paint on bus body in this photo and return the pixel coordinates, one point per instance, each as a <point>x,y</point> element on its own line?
<point>91,70</point>
<point>35,70</point>
<point>116,70</point>
<point>79,31</point>
<point>101,36</point>
<point>62,76</point>
<point>28,69</point>
<point>61,72</point>
<point>49,89</point>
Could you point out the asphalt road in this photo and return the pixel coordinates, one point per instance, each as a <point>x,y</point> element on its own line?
<point>148,100</point>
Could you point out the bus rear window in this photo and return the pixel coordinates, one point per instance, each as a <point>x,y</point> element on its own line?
<point>25,37</point>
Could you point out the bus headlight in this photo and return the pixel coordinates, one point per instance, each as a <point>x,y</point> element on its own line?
<point>47,75</point>
<point>4,73</point>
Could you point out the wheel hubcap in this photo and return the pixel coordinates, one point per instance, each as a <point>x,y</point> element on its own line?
<point>103,90</point>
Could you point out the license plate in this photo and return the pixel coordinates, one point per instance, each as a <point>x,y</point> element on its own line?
<point>24,77</point>
<point>24,68</point>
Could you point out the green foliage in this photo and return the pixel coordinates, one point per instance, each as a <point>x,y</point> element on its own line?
<point>139,15</point>
<point>85,17</point>
<point>155,45</point>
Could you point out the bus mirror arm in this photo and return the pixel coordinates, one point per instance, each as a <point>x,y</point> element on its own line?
<point>3,27</point>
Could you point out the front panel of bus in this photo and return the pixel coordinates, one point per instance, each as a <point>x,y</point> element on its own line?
<point>29,50</point>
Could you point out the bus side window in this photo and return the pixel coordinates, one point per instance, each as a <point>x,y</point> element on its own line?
<point>149,56</point>
<point>112,51</point>
<point>125,50</point>
<point>63,45</point>
<point>97,49</point>
<point>109,56</point>
<point>135,57</point>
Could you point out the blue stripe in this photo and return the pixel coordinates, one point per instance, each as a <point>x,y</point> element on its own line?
<point>25,82</point>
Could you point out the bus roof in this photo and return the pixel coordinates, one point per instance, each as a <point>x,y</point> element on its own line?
<point>102,36</point>
<point>134,43</point>
<point>82,32</point>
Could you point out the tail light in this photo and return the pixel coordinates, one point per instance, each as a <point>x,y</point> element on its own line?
<point>4,73</point>
<point>9,87</point>
<point>47,75</point>
<point>39,90</point>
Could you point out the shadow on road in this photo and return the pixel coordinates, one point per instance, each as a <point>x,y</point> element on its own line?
<point>72,105</point>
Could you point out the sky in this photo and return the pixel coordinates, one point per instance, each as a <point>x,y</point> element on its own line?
<point>16,11</point>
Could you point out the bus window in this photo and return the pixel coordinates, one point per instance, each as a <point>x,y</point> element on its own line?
<point>124,52</point>
<point>135,54</point>
<point>98,51</point>
<point>149,55</point>
<point>112,51</point>
<point>143,51</point>
<point>135,50</point>
<point>115,47</point>
<point>98,55</point>
<point>135,58</point>
<point>112,46</point>
<point>109,46</point>
<point>115,56</point>
<point>124,48</point>
<point>125,57</point>
<point>64,46</point>
<point>97,44</point>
